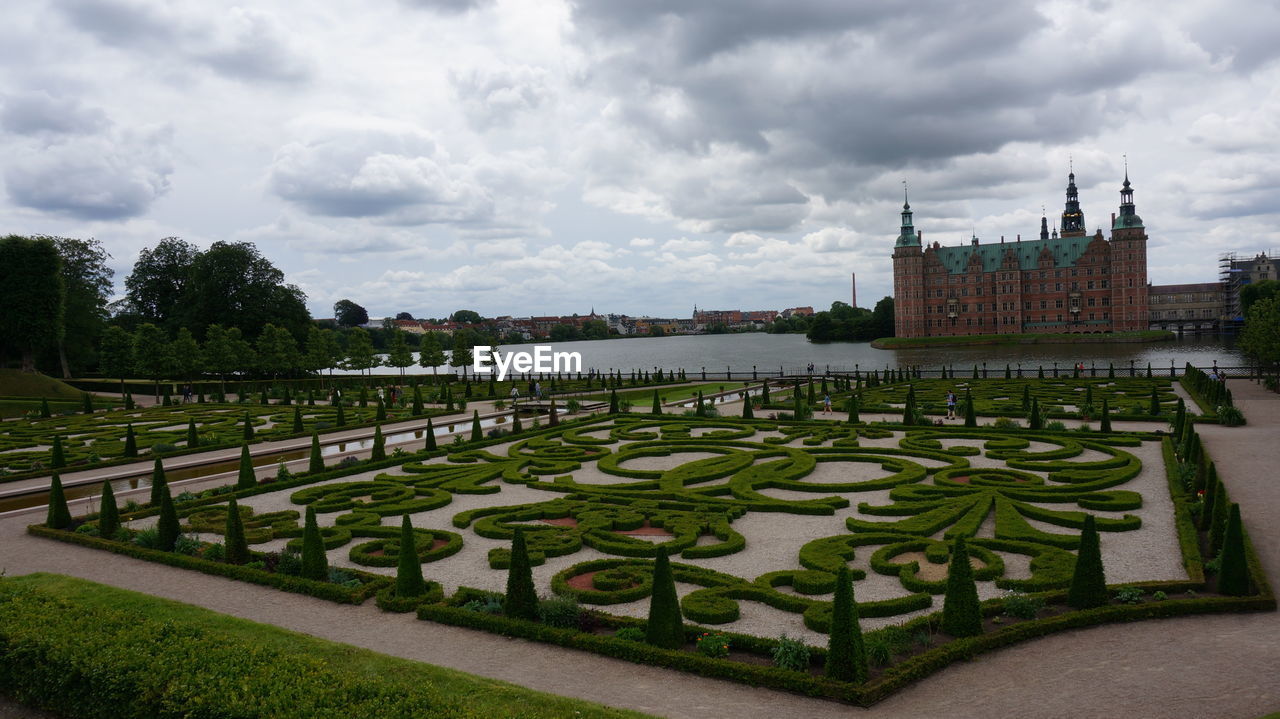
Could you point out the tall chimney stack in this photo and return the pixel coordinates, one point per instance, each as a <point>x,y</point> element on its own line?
<point>853,289</point>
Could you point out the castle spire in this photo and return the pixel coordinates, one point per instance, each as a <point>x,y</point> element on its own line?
<point>1044,224</point>
<point>1072,216</point>
<point>1128,216</point>
<point>907,232</point>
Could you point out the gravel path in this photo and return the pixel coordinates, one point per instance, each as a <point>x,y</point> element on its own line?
<point>1214,666</point>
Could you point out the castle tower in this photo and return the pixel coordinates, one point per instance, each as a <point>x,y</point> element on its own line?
<point>1129,296</point>
<point>908,278</point>
<point>1072,216</point>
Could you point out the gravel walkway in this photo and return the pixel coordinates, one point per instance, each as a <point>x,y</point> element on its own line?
<point>1215,666</point>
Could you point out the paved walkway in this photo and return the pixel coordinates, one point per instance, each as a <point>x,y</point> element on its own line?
<point>1204,667</point>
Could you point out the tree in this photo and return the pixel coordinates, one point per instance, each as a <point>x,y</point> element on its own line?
<point>57,456</point>
<point>360,353</point>
<point>477,434</point>
<point>521,600</point>
<point>188,360</point>
<point>657,403</point>
<point>231,283</point>
<point>1260,338</point>
<point>315,565</point>
<point>130,442</point>
<point>318,355</point>
<point>154,289</point>
<point>1088,580</point>
<point>961,614</point>
<point>247,479</point>
<point>404,316</point>
<point>33,293</point>
<point>1233,569</point>
<point>467,317</point>
<point>59,516</point>
<point>822,329</point>
<point>846,654</point>
<point>398,353</point>
<point>86,279</point>
<point>666,626</point>
<point>158,483</point>
<point>349,314</point>
<point>379,450</point>
<point>277,351</point>
<point>1251,293</point>
<point>882,318</point>
<point>237,546</point>
<point>430,445</point>
<point>1105,426</point>
<point>115,354</point>
<point>595,329</point>
<point>409,581</point>
<point>108,513</point>
<point>151,355</point>
<point>432,353</point>
<point>461,355</point>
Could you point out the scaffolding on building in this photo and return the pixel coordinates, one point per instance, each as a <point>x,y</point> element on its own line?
<point>1234,272</point>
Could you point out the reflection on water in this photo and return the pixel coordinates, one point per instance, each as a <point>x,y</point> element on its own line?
<point>769,353</point>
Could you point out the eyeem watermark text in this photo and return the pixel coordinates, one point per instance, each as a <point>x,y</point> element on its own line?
<point>542,359</point>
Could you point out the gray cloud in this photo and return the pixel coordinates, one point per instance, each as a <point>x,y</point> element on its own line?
<point>37,113</point>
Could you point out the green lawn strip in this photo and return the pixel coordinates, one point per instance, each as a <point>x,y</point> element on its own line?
<point>15,383</point>
<point>644,397</point>
<point>477,696</point>
<point>995,396</point>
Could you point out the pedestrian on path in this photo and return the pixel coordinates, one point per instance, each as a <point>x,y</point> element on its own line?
<point>951,404</point>
<point>826,404</point>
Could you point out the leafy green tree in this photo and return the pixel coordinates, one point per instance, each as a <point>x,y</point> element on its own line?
<point>151,354</point>
<point>1252,293</point>
<point>666,626</point>
<point>461,355</point>
<point>277,351</point>
<point>33,292</point>
<point>466,317</point>
<point>237,546</point>
<point>961,613</point>
<point>108,513</point>
<point>360,353</point>
<point>521,600</point>
<point>349,314</point>
<point>115,354</point>
<point>155,289</point>
<point>315,565</point>
<point>595,330</point>
<point>1088,580</point>
<point>247,479</point>
<point>59,516</point>
<point>432,353</point>
<point>187,358</point>
<point>846,654</point>
<point>1260,338</point>
<point>822,329</point>
<point>1233,568</point>
<point>398,353</point>
<point>231,283</point>
<point>409,582</point>
<point>86,280</point>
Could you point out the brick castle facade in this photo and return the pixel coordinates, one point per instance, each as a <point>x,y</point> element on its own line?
<point>1067,282</point>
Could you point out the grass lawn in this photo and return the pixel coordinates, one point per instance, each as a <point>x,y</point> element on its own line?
<point>485,697</point>
<point>15,383</point>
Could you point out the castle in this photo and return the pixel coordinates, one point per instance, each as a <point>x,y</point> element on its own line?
<point>1067,282</point>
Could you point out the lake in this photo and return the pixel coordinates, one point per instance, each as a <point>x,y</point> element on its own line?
<point>793,352</point>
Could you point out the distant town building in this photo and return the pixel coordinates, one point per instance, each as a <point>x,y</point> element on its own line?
<point>1196,307</point>
<point>1236,272</point>
<point>1067,282</point>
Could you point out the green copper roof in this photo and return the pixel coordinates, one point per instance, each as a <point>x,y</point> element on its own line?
<point>1066,250</point>
<point>1123,221</point>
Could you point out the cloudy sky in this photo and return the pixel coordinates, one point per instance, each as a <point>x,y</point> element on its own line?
<point>537,156</point>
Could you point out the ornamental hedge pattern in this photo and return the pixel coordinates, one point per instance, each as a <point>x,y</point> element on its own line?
<point>632,486</point>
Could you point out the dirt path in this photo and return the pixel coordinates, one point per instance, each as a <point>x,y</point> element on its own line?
<point>1217,666</point>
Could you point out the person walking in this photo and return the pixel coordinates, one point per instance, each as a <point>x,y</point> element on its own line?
<point>951,404</point>
<point>826,404</point>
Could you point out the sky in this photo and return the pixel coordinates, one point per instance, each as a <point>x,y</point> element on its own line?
<point>542,157</point>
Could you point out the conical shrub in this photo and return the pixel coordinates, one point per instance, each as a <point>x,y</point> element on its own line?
<point>1105,426</point>
<point>666,626</point>
<point>431,432</point>
<point>1233,569</point>
<point>846,652</point>
<point>193,437</point>
<point>853,410</point>
<point>747,412</point>
<point>380,414</point>
<point>1088,581</point>
<point>315,565</point>
<point>613,401</point>
<point>297,420</point>
<point>379,450</point>
<point>657,403</point>
<point>409,582</point>
<point>961,613</point>
<point>341,419</point>
<point>316,463</point>
<point>108,513</point>
<point>45,412</point>
<point>130,441</point>
<point>158,484</point>
<point>59,516</point>
<point>521,600</point>
<point>247,433</point>
<point>237,547</point>
<point>58,457</point>
<point>167,527</point>
<point>246,479</point>
<point>1218,520</point>
<point>477,434</point>
<point>970,418</point>
<point>1036,420</point>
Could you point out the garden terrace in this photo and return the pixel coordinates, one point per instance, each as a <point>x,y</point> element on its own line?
<point>757,515</point>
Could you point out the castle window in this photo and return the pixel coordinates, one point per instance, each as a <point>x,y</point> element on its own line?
<point>1042,304</point>
<point>1090,284</point>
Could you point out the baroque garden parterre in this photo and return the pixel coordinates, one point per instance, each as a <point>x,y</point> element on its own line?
<point>758,516</point>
